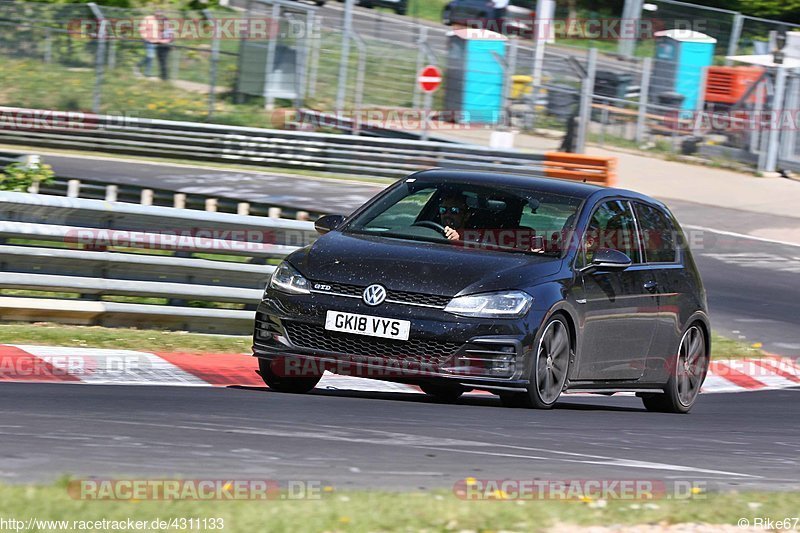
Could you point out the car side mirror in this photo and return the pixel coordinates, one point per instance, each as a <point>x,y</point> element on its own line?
<point>609,260</point>
<point>328,223</point>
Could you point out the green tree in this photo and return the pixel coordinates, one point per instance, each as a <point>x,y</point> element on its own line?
<point>786,10</point>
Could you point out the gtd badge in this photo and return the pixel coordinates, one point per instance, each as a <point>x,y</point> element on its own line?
<point>374,295</point>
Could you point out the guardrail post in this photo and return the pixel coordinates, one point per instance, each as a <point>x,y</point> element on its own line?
<point>243,208</point>
<point>147,197</point>
<point>73,188</point>
<point>274,212</point>
<point>111,193</point>
<point>211,205</point>
<point>179,200</point>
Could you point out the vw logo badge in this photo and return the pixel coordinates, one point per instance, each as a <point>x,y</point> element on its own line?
<point>374,295</point>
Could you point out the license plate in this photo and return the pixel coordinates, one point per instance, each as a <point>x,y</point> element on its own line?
<point>373,326</point>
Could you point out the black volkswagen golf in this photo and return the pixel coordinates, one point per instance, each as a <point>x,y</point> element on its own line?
<point>524,287</point>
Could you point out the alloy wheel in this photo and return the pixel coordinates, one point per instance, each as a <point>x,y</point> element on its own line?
<point>552,361</point>
<point>691,364</point>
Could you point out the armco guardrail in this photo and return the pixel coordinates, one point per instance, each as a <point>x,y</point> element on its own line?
<point>320,152</point>
<point>341,154</point>
<point>119,264</point>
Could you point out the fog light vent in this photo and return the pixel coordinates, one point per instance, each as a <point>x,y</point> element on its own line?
<point>486,358</point>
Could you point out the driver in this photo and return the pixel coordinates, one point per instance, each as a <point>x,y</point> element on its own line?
<point>453,214</point>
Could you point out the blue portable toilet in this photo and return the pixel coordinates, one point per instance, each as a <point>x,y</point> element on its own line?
<point>474,76</point>
<point>679,66</point>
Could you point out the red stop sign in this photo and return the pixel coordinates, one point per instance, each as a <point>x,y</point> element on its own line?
<point>430,79</point>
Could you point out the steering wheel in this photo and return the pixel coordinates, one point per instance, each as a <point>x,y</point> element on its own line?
<point>430,224</point>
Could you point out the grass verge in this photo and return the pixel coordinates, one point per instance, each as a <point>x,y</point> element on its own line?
<point>48,334</point>
<point>384,511</point>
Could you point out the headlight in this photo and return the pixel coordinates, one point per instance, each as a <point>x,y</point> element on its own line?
<point>512,304</point>
<point>287,279</point>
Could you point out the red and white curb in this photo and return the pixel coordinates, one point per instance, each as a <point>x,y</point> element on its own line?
<point>24,363</point>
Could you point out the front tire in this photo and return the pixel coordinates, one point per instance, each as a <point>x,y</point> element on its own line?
<point>268,369</point>
<point>549,368</point>
<point>683,387</point>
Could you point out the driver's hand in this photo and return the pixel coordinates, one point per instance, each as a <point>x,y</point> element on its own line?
<point>451,234</point>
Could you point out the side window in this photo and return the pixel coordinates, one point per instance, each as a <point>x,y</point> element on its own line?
<point>611,226</point>
<point>658,235</point>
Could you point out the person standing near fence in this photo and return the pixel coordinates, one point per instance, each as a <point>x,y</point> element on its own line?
<point>148,30</point>
<point>500,8</point>
<point>163,44</point>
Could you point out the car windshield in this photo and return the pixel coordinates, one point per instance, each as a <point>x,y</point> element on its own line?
<point>463,214</point>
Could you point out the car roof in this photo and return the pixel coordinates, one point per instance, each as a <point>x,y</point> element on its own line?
<point>471,177</point>
<point>576,189</point>
<point>553,185</point>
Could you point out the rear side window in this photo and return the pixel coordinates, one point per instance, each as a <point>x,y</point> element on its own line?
<point>611,226</point>
<point>658,235</point>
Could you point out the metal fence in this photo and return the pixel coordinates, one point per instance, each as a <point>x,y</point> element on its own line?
<point>736,33</point>
<point>341,154</point>
<point>39,51</point>
<point>96,262</point>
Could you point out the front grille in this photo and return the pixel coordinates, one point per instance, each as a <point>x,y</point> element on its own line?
<point>403,297</point>
<point>420,351</point>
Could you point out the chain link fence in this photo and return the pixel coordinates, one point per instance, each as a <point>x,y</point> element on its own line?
<point>51,58</point>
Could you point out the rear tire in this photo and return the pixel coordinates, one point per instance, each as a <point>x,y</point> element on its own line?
<point>280,383</point>
<point>443,392</point>
<point>683,387</point>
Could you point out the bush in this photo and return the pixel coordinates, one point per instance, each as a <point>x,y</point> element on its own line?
<point>20,176</point>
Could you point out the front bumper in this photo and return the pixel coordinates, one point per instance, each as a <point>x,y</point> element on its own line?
<point>483,353</point>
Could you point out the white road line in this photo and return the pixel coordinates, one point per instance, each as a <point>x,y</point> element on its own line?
<point>609,461</point>
<point>741,235</point>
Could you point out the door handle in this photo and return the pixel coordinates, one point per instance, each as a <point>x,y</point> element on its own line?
<point>651,286</point>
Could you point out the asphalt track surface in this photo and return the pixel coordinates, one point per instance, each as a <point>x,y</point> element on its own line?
<point>752,285</point>
<point>401,441</point>
<point>391,441</point>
